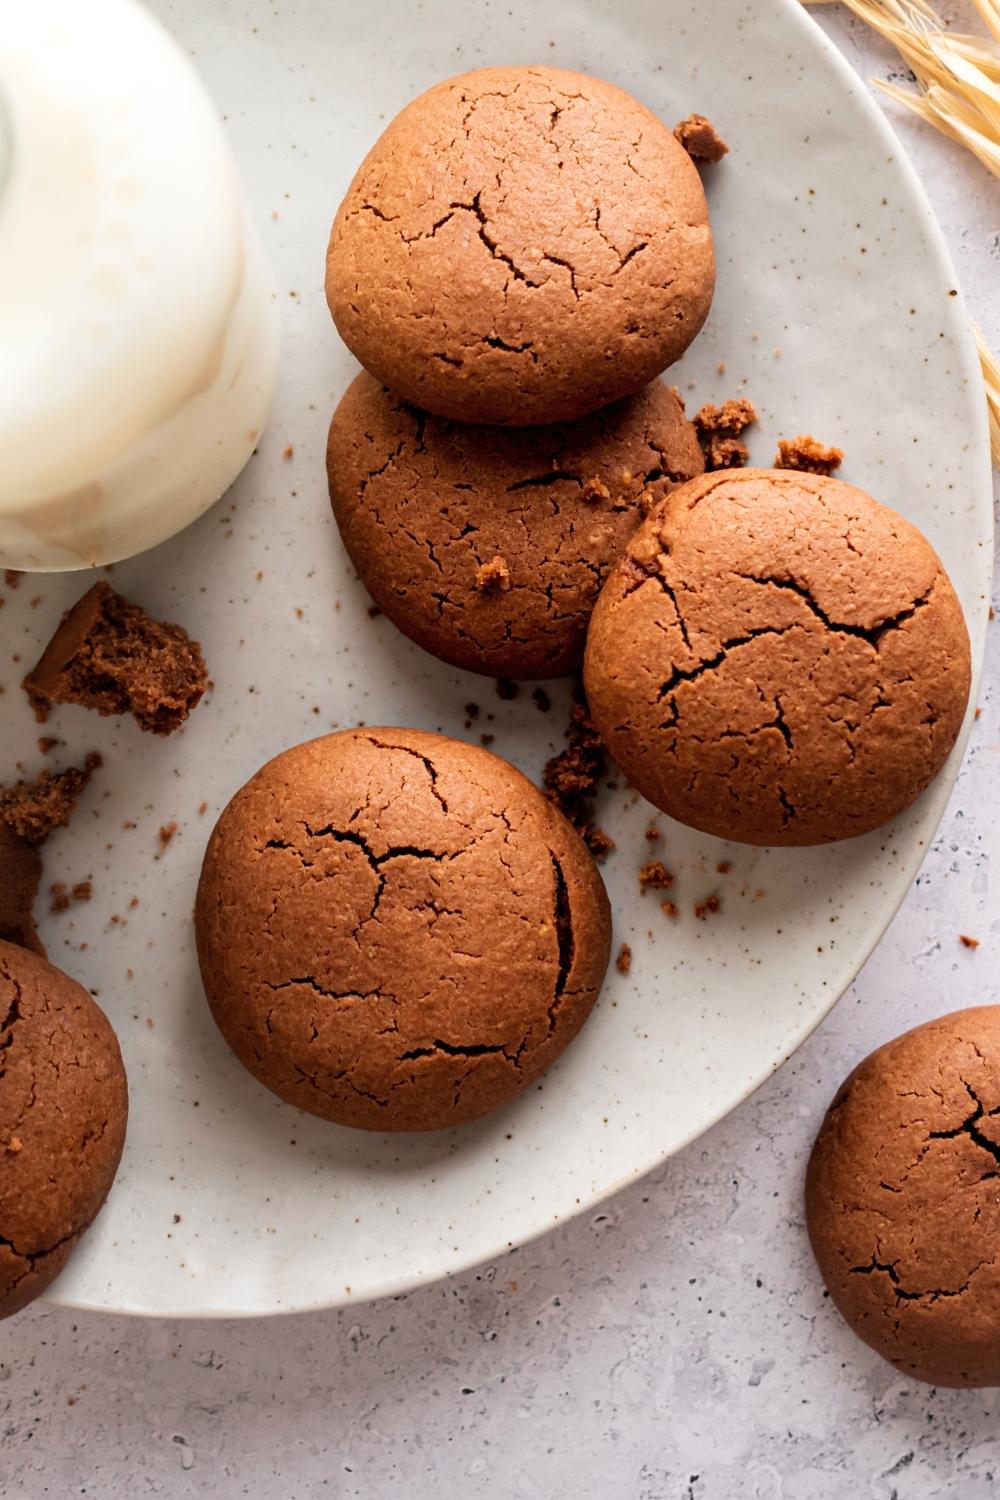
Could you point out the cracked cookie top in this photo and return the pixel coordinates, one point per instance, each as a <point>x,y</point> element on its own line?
<point>778,659</point>
<point>902,1203</point>
<point>63,1107</point>
<point>396,930</point>
<point>488,547</point>
<point>521,245</point>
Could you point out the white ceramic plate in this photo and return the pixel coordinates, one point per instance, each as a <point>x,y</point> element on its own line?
<point>836,307</point>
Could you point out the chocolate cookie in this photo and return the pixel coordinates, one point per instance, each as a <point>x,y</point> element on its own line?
<point>521,245</point>
<point>63,1106</point>
<point>20,877</point>
<point>488,547</point>
<point>902,1201</point>
<point>396,931</point>
<point>778,659</point>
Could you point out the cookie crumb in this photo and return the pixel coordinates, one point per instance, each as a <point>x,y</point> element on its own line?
<point>472,712</point>
<point>288,452</point>
<point>12,578</point>
<point>670,908</point>
<point>597,841</point>
<point>508,690</point>
<point>109,655</point>
<point>653,834</point>
<point>724,453</point>
<point>48,742</point>
<point>655,876</point>
<point>707,908</point>
<point>700,139</point>
<point>62,894</point>
<point>723,867</point>
<point>968,942</point>
<point>167,831</point>
<point>807,455</point>
<point>719,428</point>
<point>595,490</point>
<point>202,809</point>
<point>623,963</point>
<point>33,808</point>
<point>570,779</point>
<point>733,416</point>
<point>493,577</point>
<point>487,739</point>
<point>541,700</point>
<point>373,611</point>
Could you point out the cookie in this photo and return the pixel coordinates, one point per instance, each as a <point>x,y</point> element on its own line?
<point>109,655</point>
<point>20,877</point>
<point>487,546</point>
<point>396,931</point>
<point>778,659</point>
<point>63,1107</point>
<point>521,245</point>
<point>902,1201</point>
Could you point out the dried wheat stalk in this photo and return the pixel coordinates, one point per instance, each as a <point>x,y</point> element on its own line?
<point>958,92</point>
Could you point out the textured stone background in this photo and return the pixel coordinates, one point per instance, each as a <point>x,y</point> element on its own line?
<point>676,1344</point>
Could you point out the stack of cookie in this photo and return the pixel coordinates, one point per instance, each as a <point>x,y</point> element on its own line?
<point>519,257</point>
<point>397,931</point>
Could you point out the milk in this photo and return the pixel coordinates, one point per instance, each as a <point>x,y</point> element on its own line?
<point>138,323</point>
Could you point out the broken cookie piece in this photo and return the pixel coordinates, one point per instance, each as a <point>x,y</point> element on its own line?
<point>109,655</point>
<point>32,809</point>
<point>700,139</point>
<point>807,455</point>
<point>719,428</point>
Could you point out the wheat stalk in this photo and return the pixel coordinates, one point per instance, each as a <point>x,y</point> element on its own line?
<point>958,92</point>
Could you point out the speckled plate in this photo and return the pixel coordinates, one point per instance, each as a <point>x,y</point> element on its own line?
<point>837,311</point>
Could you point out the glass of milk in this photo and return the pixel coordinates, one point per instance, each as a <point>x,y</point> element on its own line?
<point>138,321</point>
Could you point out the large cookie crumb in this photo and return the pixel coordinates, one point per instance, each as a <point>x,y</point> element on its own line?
<point>719,428</point>
<point>109,655</point>
<point>807,455</point>
<point>700,139</point>
<point>32,809</point>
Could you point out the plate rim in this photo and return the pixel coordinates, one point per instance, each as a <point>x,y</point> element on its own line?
<point>936,798</point>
